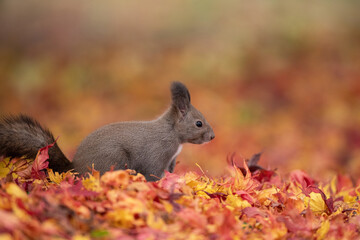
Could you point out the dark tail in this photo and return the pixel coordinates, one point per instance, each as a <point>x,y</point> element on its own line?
<point>24,136</point>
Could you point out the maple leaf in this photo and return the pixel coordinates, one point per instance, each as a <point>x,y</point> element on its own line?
<point>92,182</point>
<point>343,182</point>
<point>118,179</point>
<point>14,190</point>
<point>218,195</point>
<point>249,166</point>
<point>22,168</point>
<point>78,189</point>
<point>246,196</point>
<point>155,222</point>
<point>266,196</point>
<point>323,230</point>
<point>170,181</point>
<point>236,202</point>
<point>296,224</point>
<point>40,163</point>
<point>302,178</point>
<point>192,218</point>
<point>316,203</point>
<point>329,202</point>
<point>12,168</point>
<point>57,178</point>
<point>4,167</point>
<point>253,212</point>
<point>9,221</point>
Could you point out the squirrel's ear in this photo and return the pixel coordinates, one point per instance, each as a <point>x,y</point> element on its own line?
<point>180,97</point>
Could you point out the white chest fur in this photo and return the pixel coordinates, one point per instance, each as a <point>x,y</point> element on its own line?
<point>177,152</point>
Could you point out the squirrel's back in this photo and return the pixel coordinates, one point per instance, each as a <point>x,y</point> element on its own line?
<point>23,136</point>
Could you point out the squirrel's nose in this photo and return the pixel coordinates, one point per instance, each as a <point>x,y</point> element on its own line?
<point>212,136</point>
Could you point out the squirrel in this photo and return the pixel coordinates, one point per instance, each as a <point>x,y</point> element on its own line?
<point>148,147</point>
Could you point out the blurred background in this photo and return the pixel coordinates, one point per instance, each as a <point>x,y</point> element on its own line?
<point>278,77</point>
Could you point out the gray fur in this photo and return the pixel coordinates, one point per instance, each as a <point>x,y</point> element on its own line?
<point>146,147</point>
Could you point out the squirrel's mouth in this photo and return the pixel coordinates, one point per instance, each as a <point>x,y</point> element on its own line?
<point>202,140</point>
<point>197,141</point>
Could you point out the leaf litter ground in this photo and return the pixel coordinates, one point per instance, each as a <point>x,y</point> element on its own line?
<point>249,202</point>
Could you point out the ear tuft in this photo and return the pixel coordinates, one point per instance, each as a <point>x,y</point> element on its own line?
<point>180,97</point>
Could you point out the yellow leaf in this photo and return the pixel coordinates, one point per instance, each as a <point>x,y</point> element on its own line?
<point>323,230</point>
<point>18,167</point>
<point>14,190</point>
<point>59,177</point>
<point>5,236</point>
<point>315,202</point>
<point>239,178</point>
<point>50,225</point>
<point>136,205</point>
<point>279,232</point>
<point>265,196</point>
<point>80,237</point>
<point>236,202</point>
<point>333,184</point>
<point>201,188</point>
<point>20,213</point>
<point>168,207</point>
<point>190,176</point>
<point>138,186</point>
<point>118,179</point>
<point>91,183</point>
<point>4,169</point>
<point>121,218</point>
<point>155,222</point>
<point>54,177</point>
<point>347,197</point>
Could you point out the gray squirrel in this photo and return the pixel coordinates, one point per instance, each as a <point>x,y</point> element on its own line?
<point>148,147</point>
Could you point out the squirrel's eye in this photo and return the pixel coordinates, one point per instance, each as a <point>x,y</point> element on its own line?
<point>199,124</point>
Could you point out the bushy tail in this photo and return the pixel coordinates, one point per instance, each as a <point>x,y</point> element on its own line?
<point>23,136</point>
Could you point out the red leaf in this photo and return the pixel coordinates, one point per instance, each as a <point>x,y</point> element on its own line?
<point>41,162</point>
<point>264,175</point>
<point>78,189</point>
<point>169,181</point>
<point>247,170</point>
<point>218,195</point>
<point>192,218</point>
<point>9,221</point>
<point>343,182</point>
<point>302,178</point>
<point>294,225</point>
<point>253,212</point>
<point>246,196</point>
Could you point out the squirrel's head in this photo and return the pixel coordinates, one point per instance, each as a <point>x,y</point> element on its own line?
<point>190,124</point>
